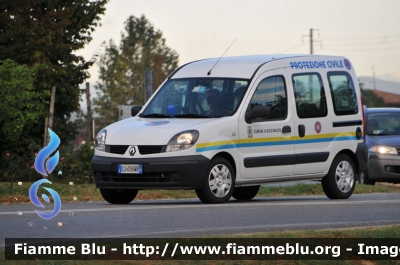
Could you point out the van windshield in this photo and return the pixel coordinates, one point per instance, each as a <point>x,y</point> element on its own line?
<point>197,98</point>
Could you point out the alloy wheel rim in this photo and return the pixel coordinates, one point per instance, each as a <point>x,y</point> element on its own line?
<point>344,176</point>
<point>220,180</point>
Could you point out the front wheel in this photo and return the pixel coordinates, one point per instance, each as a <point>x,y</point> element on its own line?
<point>219,182</point>
<point>118,196</point>
<point>340,181</point>
<point>245,193</point>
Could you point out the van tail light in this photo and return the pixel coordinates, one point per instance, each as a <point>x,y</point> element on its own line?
<point>363,119</point>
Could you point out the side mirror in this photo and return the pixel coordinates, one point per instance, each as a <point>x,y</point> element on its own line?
<point>257,112</point>
<point>135,110</point>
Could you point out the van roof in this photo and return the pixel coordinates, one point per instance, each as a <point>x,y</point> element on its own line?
<point>233,67</point>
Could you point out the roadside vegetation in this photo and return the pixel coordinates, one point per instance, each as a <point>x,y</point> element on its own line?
<point>88,192</point>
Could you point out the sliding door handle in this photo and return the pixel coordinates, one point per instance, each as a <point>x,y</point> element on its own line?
<point>302,130</point>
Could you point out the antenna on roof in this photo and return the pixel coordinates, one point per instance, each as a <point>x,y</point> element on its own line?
<point>209,72</point>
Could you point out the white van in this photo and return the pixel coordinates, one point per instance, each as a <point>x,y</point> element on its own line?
<point>225,126</point>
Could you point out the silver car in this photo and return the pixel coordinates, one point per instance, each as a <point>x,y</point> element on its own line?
<point>383,141</point>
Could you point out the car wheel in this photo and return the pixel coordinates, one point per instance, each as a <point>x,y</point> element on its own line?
<point>245,193</point>
<point>340,181</point>
<point>219,182</point>
<point>118,196</point>
<point>367,180</point>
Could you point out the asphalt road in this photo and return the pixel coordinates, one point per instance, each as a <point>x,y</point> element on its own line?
<point>190,217</point>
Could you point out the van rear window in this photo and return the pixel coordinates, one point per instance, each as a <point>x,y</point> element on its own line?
<point>343,93</point>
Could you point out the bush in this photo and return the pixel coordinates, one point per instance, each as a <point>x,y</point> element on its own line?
<point>75,165</point>
<point>19,166</point>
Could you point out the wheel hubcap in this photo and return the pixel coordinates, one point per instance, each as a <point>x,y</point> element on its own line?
<point>344,176</point>
<point>220,180</point>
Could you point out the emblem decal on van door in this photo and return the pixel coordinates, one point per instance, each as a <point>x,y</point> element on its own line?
<point>249,132</point>
<point>347,64</point>
<point>317,127</point>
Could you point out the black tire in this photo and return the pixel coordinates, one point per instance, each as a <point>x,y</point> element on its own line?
<point>219,182</point>
<point>367,180</point>
<point>118,196</point>
<point>245,193</point>
<point>340,181</point>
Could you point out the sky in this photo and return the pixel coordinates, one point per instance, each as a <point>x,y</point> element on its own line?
<point>367,32</point>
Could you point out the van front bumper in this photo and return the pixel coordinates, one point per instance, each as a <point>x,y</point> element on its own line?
<point>158,173</point>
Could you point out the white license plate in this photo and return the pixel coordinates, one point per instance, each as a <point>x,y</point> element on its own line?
<point>130,169</point>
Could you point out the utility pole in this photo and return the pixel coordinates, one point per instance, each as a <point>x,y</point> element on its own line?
<point>89,113</point>
<point>312,40</point>
<point>148,84</point>
<point>49,120</point>
<point>373,77</point>
<point>311,52</point>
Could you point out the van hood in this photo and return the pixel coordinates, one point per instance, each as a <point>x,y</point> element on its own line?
<point>149,131</point>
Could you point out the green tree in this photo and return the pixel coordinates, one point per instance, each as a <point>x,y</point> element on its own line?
<point>47,33</point>
<point>20,105</point>
<point>122,68</point>
<point>20,108</point>
<point>370,98</point>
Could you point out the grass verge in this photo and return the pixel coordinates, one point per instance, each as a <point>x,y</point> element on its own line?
<point>88,192</point>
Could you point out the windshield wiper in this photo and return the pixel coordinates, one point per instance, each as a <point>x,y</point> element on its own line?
<point>191,115</point>
<point>156,115</point>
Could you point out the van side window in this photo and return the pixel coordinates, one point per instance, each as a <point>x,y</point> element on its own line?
<point>271,92</point>
<point>343,93</point>
<point>310,96</point>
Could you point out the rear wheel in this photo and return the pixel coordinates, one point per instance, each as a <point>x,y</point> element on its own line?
<point>340,181</point>
<point>219,182</point>
<point>245,193</point>
<point>118,196</point>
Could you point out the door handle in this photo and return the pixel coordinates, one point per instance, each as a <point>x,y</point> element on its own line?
<point>302,130</point>
<point>286,129</point>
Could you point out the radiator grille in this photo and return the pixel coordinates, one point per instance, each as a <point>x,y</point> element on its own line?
<point>151,149</point>
<point>143,149</point>
<point>117,149</point>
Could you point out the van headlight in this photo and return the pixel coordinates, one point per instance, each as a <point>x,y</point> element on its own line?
<point>382,149</point>
<point>182,140</point>
<point>100,143</point>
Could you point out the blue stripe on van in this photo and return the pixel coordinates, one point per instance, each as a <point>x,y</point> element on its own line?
<point>276,143</point>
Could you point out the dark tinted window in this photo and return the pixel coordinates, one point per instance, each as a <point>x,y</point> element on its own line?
<point>343,93</point>
<point>310,95</point>
<point>271,92</point>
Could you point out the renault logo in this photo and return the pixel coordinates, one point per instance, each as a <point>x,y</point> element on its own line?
<point>132,151</point>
